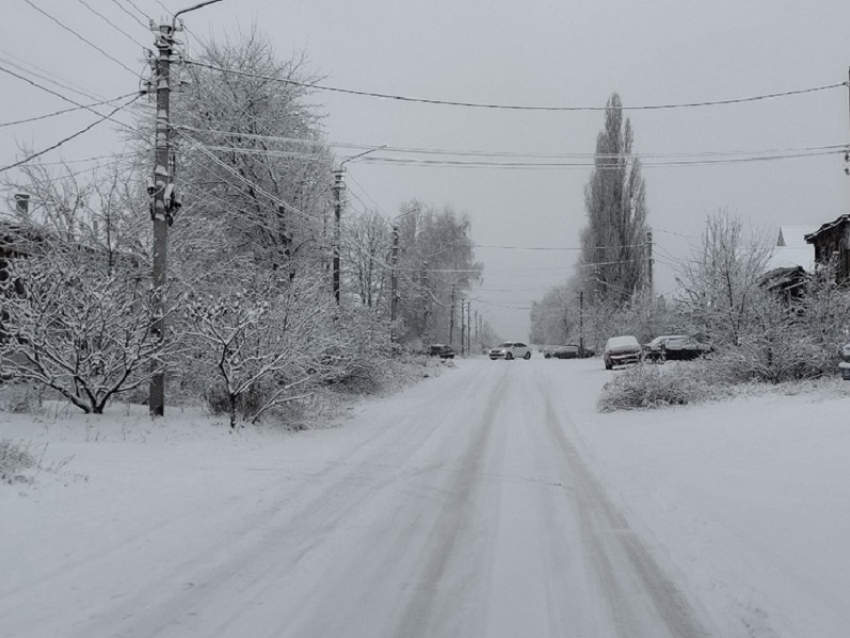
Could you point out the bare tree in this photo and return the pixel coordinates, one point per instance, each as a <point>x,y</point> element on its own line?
<point>246,341</point>
<point>75,324</point>
<point>721,280</point>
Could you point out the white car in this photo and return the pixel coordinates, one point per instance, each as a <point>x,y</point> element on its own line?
<point>621,350</point>
<point>510,350</point>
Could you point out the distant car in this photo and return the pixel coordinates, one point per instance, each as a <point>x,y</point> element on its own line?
<point>568,351</point>
<point>622,350</point>
<point>440,350</point>
<point>510,350</point>
<point>684,349</point>
<point>654,350</point>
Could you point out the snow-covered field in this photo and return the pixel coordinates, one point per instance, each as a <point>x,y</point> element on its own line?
<point>747,500</point>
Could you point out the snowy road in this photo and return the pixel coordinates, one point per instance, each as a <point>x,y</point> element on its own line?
<point>493,500</point>
<point>462,507</point>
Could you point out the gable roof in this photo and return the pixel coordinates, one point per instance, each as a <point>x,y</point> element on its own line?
<point>843,219</point>
<point>794,236</point>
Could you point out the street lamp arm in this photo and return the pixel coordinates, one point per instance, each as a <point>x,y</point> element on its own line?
<point>353,157</point>
<point>197,6</point>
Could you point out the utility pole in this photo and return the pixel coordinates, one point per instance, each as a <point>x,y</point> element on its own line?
<point>165,202</point>
<point>394,283</point>
<point>462,326</point>
<point>161,189</point>
<point>468,326</point>
<point>581,323</point>
<point>338,187</point>
<point>452,317</point>
<point>649,262</point>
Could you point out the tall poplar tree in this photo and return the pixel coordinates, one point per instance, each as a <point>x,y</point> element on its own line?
<point>614,262</point>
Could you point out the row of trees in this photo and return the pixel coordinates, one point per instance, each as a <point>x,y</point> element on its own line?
<point>252,322</point>
<point>725,296</point>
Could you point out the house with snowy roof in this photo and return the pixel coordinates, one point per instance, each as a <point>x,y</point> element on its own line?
<point>791,261</point>
<point>831,243</point>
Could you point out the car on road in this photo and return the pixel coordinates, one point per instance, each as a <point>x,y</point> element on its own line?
<point>510,350</point>
<point>440,350</point>
<point>622,350</point>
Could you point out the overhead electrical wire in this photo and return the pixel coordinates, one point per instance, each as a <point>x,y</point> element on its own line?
<point>68,110</point>
<point>705,158</point>
<point>124,9</point>
<point>515,107</point>
<point>67,139</point>
<point>83,39</point>
<point>41,74</point>
<point>110,23</point>
<point>67,99</point>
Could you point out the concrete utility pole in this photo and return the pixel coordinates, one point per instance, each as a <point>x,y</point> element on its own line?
<point>161,189</point>
<point>649,262</point>
<point>394,276</point>
<point>338,187</point>
<point>452,318</point>
<point>581,323</point>
<point>164,202</point>
<point>462,326</point>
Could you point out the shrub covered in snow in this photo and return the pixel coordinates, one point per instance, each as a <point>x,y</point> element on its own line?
<point>13,459</point>
<point>658,386</point>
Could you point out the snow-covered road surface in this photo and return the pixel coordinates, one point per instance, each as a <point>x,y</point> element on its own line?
<point>485,502</point>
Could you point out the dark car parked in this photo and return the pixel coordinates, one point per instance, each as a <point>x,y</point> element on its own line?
<point>440,350</point>
<point>653,351</point>
<point>568,351</point>
<point>684,349</point>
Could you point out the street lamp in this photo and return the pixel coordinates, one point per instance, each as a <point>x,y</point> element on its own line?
<point>338,187</point>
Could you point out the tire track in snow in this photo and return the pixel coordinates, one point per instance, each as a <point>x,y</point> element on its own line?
<point>639,592</point>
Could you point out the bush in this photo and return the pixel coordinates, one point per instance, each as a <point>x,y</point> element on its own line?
<point>645,387</point>
<point>14,459</point>
<point>773,362</point>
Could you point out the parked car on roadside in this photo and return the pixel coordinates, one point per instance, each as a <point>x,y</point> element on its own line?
<point>510,350</point>
<point>653,351</point>
<point>440,350</point>
<point>567,351</point>
<point>622,350</point>
<point>684,349</point>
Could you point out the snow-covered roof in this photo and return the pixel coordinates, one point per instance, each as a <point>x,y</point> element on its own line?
<point>791,256</point>
<point>794,236</point>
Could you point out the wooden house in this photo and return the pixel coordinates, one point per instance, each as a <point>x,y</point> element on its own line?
<point>832,244</point>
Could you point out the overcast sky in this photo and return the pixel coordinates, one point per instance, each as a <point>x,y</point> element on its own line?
<point>526,219</point>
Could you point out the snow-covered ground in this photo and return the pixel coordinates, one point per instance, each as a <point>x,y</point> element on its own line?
<point>746,501</point>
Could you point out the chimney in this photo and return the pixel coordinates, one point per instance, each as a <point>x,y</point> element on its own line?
<point>22,203</point>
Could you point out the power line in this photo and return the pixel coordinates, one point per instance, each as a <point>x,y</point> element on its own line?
<point>516,107</point>
<point>110,22</point>
<point>124,9</point>
<point>63,111</point>
<point>649,160</point>
<point>445,163</point>
<point>78,36</point>
<point>45,75</point>
<point>69,138</point>
<point>67,99</point>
